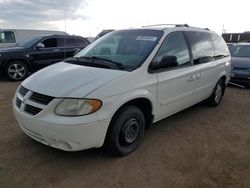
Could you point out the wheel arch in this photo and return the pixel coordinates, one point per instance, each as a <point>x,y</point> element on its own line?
<point>22,59</point>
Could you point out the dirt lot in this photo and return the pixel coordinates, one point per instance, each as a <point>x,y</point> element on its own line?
<point>199,147</point>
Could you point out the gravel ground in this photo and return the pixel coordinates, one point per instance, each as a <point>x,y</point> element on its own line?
<point>199,147</point>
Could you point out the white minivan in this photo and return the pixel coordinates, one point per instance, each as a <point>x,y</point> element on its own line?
<point>120,84</point>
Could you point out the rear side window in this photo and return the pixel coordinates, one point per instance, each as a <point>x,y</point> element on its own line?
<point>220,47</point>
<point>65,42</point>
<point>7,37</point>
<point>175,45</point>
<point>71,42</point>
<point>201,45</point>
<point>80,42</point>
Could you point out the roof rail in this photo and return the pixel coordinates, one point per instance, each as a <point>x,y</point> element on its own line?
<point>175,25</point>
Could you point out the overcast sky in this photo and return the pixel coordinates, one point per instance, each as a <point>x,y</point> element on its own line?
<point>88,17</point>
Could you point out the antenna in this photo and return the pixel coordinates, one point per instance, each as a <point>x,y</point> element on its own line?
<point>65,28</point>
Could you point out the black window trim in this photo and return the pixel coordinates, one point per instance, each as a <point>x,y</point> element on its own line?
<point>57,37</point>
<point>177,67</point>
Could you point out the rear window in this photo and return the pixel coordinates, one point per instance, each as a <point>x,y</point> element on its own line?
<point>201,45</point>
<point>7,37</point>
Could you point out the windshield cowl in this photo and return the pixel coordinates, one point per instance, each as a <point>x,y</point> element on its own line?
<point>98,62</point>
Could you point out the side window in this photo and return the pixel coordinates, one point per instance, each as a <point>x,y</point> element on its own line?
<point>220,47</point>
<point>80,42</point>
<point>61,42</point>
<point>175,45</point>
<point>201,45</point>
<point>7,37</point>
<point>70,42</point>
<point>50,43</point>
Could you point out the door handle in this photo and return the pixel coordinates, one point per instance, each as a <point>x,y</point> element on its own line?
<point>198,76</point>
<point>191,78</point>
<point>56,50</point>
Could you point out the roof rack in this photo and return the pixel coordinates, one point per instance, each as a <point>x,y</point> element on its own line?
<point>174,25</point>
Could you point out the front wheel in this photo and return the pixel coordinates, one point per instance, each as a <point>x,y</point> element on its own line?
<point>126,131</point>
<point>16,71</point>
<point>215,98</point>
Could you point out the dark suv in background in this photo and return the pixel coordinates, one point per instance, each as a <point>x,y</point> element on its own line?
<point>37,52</point>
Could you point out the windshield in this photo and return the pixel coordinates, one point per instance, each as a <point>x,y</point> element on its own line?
<point>125,47</point>
<point>240,51</point>
<point>29,42</point>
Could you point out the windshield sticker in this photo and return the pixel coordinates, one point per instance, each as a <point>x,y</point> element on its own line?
<point>147,38</point>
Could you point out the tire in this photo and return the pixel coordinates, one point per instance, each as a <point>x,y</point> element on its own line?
<point>126,131</point>
<point>215,98</point>
<point>16,70</point>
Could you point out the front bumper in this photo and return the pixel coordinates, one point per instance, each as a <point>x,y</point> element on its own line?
<point>65,133</point>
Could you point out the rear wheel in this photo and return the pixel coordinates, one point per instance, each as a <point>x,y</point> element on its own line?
<point>16,70</point>
<point>126,131</point>
<point>215,98</point>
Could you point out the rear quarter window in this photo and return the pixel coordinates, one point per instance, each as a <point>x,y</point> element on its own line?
<point>201,46</point>
<point>220,47</point>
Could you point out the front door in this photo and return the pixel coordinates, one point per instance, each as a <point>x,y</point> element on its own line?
<point>49,54</point>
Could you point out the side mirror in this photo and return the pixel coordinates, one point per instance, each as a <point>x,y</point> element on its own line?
<point>166,62</point>
<point>40,45</point>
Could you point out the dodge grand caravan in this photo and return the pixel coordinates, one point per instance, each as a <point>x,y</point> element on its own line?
<point>120,84</point>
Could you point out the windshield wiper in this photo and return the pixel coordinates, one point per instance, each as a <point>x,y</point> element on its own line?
<point>104,61</point>
<point>86,61</point>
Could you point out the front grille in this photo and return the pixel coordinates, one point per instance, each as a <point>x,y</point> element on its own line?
<point>32,109</point>
<point>40,98</point>
<point>31,102</point>
<point>18,102</point>
<point>23,91</point>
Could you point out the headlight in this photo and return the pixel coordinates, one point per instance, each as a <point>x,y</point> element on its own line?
<point>77,107</point>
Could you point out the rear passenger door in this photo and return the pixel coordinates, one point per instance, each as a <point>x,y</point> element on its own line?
<point>72,46</point>
<point>66,47</point>
<point>176,84</point>
<point>204,63</point>
<point>80,43</point>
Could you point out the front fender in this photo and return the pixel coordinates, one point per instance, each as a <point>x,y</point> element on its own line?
<point>113,103</point>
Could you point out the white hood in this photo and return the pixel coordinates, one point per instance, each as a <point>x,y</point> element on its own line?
<point>69,80</point>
